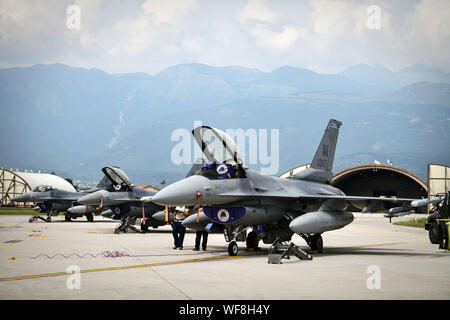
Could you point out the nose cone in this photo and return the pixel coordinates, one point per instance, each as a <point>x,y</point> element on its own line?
<point>191,222</point>
<point>181,193</point>
<point>93,198</point>
<point>21,198</point>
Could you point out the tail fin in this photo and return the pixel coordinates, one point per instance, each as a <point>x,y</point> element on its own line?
<point>323,159</point>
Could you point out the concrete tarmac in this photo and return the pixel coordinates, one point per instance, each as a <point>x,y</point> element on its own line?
<point>369,259</point>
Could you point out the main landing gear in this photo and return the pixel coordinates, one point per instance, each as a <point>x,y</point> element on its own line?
<point>315,242</point>
<point>252,241</point>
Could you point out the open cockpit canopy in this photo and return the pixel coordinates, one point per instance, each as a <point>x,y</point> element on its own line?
<point>217,146</point>
<point>224,160</point>
<point>118,178</point>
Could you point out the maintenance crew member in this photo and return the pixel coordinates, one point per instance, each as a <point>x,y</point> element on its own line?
<point>178,230</point>
<point>198,237</point>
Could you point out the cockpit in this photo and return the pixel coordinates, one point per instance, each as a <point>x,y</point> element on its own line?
<point>119,180</point>
<point>224,161</point>
<point>43,188</point>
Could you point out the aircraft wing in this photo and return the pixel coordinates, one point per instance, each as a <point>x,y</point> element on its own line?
<point>284,195</point>
<point>54,199</point>
<point>108,198</point>
<point>117,201</point>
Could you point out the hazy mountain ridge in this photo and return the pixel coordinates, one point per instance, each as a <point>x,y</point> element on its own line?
<point>58,117</point>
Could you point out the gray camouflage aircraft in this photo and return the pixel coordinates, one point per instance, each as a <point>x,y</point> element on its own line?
<point>121,200</point>
<point>239,198</point>
<point>53,201</point>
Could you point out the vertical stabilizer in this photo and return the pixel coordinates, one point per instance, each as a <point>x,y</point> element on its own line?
<point>323,159</point>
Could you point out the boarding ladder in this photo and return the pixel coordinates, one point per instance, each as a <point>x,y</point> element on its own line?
<point>282,250</point>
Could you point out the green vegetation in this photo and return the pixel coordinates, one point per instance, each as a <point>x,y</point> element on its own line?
<point>414,222</point>
<point>11,211</point>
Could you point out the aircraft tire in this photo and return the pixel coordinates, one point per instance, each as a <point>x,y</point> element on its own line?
<point>67,217</point>
<point>252,240</point>
<point>144,227</point>
<point>434,233</point>
<point>317,243</point>
<point>90,217</point>
<point>49,219</point>
<point>233,248</point>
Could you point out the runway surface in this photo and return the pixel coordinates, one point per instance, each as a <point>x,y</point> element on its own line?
<point>369,259</point>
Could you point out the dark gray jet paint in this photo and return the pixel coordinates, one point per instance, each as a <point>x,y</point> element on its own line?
<point>122,200</point>
<point>239,198</point>
<point>53,201</point>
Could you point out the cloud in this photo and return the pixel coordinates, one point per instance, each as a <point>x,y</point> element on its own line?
<point>150,35</point>
<point>267,27</point>
<point>257,13</point>
<point>428,32</point>
<point>167,12</point>
<point>377,146</point>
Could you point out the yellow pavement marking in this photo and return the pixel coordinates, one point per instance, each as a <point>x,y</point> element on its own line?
<point>384,230</point>
<point>362,246</point>
<point>39,236</point>
<point>32,230</point>
<point>36,276</point>
<point>374,245</point>
<point>13,258</point>
<point>3,224</point>
<point>5,245</point>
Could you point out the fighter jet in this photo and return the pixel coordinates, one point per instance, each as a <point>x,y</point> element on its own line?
<point>53,201</point>
<point>273,209</point>
<point>121,200</point>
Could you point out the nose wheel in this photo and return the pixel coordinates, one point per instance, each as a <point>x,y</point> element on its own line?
<point>233,248</point>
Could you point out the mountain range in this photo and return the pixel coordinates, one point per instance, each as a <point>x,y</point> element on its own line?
<point>74,120</point>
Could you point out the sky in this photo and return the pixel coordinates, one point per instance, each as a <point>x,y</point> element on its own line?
<point>326,36</point>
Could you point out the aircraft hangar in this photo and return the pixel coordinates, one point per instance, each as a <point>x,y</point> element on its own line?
<point>13,183</point>
<point>380,180</point>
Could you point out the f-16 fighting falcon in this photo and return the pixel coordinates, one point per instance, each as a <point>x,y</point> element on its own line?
<point>53,201</point>
<point>121,200</point>
<point>239,198</point>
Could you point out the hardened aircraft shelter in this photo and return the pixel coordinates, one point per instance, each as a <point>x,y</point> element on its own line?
<point>380,180</point>
<point>13,183</point>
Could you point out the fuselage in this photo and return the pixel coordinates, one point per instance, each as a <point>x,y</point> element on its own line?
<point>250,200</point>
